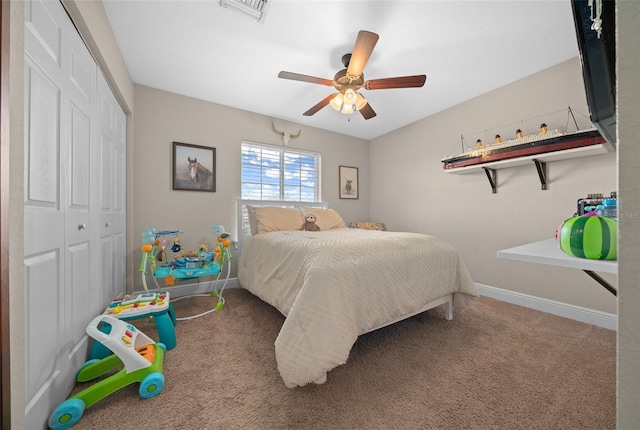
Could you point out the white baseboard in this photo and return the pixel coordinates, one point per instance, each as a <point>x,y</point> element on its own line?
<point>589,316</point>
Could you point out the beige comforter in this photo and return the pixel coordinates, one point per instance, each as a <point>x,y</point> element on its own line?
<point>334,285</point>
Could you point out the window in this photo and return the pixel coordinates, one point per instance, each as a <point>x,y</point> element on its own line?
<point>278,173</point>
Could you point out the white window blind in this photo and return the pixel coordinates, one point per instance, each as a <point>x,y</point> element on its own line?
<point>279,173</point>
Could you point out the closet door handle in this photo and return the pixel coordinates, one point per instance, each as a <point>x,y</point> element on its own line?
<point>107,224</point>
<point>82,226</point>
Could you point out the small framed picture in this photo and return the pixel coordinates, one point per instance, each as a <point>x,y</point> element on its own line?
<point>348,179</point>
<point>194,167</point>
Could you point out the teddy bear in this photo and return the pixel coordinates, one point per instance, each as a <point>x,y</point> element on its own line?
<point>310,223</point>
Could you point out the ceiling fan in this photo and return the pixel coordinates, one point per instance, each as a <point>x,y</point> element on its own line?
<point>351,79</point>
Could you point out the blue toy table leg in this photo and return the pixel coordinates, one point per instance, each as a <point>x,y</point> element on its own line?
<point>165,324</point>
<point>172,314</point>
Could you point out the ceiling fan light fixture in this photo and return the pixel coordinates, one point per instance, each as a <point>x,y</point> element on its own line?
<point>350,96</point>
<point>348,101</point>
<point>336,102</point>
<point>347,108</point>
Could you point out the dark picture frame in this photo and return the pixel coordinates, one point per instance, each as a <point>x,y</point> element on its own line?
<point>194,167</point>
<point>349,183</point>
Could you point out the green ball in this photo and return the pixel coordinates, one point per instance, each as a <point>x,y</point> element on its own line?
<point>592,237</point>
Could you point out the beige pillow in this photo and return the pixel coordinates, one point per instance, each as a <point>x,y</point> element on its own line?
<point>368,225</point>
<point>273,218</point>
<point>326,219</point>
<point>253,222</point>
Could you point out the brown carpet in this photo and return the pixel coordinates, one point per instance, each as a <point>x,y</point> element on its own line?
<point>495,366</point>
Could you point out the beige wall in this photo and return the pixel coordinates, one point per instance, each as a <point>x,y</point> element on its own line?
<point>415,193</point>
<point>163,117</point>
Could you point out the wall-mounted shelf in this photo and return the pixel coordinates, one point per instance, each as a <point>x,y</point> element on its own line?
<point>548,252</point>
<point>538,160</point>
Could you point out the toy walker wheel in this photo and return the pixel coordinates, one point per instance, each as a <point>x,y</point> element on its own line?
<point>151,385</point>
<point>84,366</point>
<point>66,414</point>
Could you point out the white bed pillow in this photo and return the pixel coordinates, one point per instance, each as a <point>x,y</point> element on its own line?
<point>326,219</point>
<point>273,218</point>
<point>253,222</point>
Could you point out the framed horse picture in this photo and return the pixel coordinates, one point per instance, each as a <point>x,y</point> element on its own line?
<point>348,179</point>
<point>194,167</point>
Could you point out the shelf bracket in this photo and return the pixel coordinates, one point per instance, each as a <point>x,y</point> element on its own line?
<point>541,166</point>
<point>601,281</point>
<point>492,176</point>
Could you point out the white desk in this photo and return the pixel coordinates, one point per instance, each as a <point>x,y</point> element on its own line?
<point>549,252</point>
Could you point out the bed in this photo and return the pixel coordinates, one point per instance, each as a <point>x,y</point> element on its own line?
<point>338,283</point>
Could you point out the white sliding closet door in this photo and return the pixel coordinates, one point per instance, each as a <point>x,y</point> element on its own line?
<point>112,192</point>
<point>73,207</point>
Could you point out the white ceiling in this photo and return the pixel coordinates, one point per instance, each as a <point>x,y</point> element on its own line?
<point>466,48</point>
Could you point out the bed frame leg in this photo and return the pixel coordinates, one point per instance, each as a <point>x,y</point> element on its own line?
<point>448,309</point>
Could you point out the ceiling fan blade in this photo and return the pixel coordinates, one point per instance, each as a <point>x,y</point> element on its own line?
<point>367,111</point>
<point>322,103</point>
<point>362,50</point>
<point>304,78</point>
<point>399,82</point>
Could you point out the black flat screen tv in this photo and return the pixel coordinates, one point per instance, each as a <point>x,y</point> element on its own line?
<point>598,57</point>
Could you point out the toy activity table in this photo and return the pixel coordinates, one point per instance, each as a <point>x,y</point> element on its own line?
<point>184,265</point>
<point>136,306</point>
<point>192,269</point>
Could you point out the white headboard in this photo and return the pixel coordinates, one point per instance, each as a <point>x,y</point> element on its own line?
<point>244,230</point>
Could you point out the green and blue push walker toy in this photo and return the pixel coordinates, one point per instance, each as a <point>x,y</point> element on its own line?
<point>142,359</point>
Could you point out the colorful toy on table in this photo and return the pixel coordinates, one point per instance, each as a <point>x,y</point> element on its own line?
<point>161,255</point>
<point>177,245</point>
<point>142,358</point>
<point>222,251</point>
<point>139,304</point>
<point>597,210</point>
<point>204,254</point>
<point>131,307</point>
<point>148,244</point>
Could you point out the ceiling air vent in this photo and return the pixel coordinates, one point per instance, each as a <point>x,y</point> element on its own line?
<point>256,9</point>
